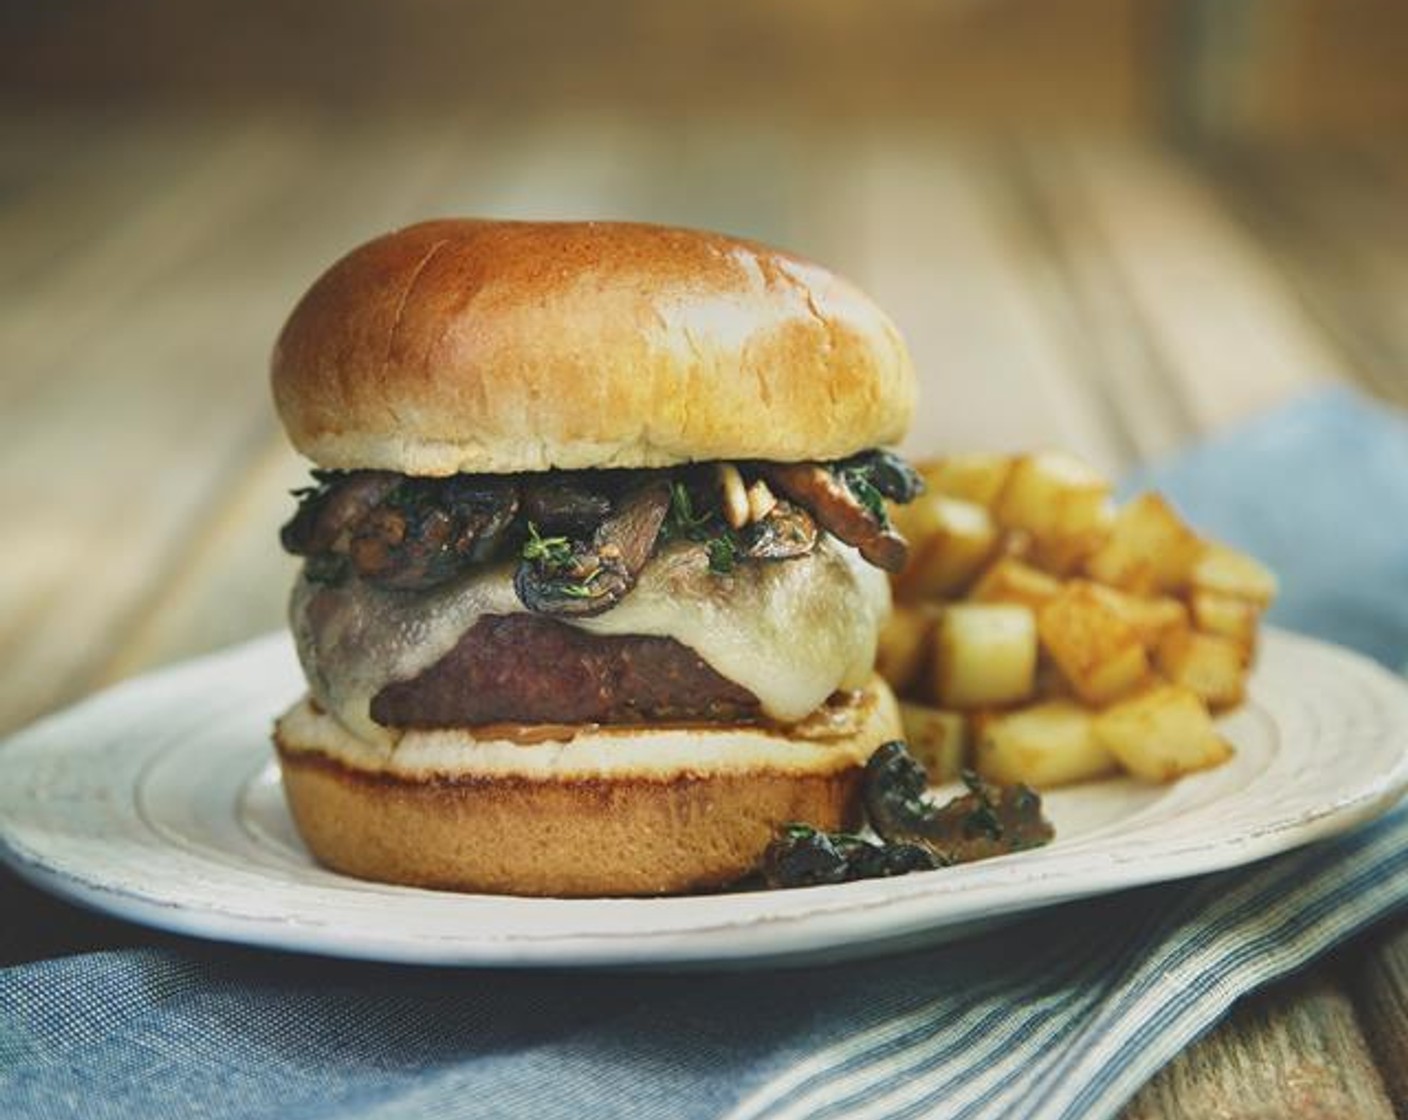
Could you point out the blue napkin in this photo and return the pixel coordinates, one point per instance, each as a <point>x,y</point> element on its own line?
<point>1064,1014</point>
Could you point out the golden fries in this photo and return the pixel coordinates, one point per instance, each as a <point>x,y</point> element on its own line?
<point>1042,635</point>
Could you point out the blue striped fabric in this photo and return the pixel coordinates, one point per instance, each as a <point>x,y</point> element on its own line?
<point>1062,1015</point>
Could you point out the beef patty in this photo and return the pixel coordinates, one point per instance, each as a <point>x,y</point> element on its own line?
<point>525,668</point>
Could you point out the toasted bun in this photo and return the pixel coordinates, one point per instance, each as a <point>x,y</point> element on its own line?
<point>615,811</point>
<point>492,347</point>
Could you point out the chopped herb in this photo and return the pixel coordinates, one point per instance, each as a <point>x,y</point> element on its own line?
<point>723,553</point>
<point>553,553</point>
<point>684,522</point>
<point>860,485</point>
<point>873,476</point>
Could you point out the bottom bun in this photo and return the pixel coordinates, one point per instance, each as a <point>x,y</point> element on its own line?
<point>609,811</point>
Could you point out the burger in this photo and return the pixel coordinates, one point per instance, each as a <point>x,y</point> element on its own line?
<point>594,555</point>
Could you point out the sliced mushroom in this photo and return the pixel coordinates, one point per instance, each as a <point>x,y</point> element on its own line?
<point>429,530</point>
<point>599,573</point>
<point>734,495</point>
<point>887,472</point>
<point>325,514</point>
<point>787,531</point>
<point>761,500</point>
<point>986,821</point>
<point>839,511</point>
<point>560,505</point>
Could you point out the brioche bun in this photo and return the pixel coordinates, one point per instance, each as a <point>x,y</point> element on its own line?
<point>612,811</point>
<point>494,347</point>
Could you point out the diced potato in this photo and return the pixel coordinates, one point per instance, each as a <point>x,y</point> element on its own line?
<point>937,738</point>
<point>1226,616</point>
<point>1045,745</point>
<point>1226,571</point>
<point>903,650</point>
<point>1096,649</point>
<point>950,542</point>
<point>984,653</point>
<point>972,477</point>
<point>1152,618</point>
<point>1062,503</point>
<point>1149,548</point>
<point>1161,733</point>
<point>1212,666</point>
<point>1011,581</point>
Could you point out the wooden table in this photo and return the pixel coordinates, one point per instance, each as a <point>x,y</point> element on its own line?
<point>1114,297</point>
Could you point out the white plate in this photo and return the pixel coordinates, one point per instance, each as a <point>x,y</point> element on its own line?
<point>158,802</point>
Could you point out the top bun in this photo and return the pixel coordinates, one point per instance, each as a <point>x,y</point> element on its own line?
<point>490,347</point>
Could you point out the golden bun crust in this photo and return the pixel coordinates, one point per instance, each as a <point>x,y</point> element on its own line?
<point>630,827</point>
<point>490,347</point>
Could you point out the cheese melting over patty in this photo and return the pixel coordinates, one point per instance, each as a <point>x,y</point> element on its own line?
<point>792,632</point>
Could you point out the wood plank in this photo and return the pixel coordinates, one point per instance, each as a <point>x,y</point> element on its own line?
<point>126,446</point>
<point>1221,319</point>
<point>1104,329</point>
<point>1335,225</point>
<point>1378,971</point>
<point>232,579</point>
<point>934,247</point>
<point>823,58</point>
<point>184,213</point>
<point>1293,1051</point>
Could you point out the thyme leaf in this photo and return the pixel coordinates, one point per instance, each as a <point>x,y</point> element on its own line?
<point>859,484</point>
<point>553,553</point>
<point>684,522</point>
<point>723,553</point>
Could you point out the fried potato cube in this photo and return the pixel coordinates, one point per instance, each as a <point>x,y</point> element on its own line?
<point>1149,548</point>
<point>1063,504</point>
<point>1045,745</point>
<point>1152,618</point>
<point>950,542</point>
<point>984,653</point>
<point>1209,665</point>
<point>1226,616</point>
<point>903,649</point>
<point>1011,581</point>
<point>1161,733</point>
<point>937,738</point>
<point>974,477</point>
<point>1226,571</point>
<point>1097,650</point>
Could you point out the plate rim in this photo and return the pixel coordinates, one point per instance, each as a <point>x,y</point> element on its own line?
<point>788,939</point>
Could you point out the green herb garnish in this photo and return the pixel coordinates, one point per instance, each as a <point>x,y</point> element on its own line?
<point>723,553</point>
<point>858,483</point>
<point>553,553</point>
<point>683,522</point>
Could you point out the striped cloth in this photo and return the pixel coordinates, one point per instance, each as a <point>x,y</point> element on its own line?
<point>1064,1014</point>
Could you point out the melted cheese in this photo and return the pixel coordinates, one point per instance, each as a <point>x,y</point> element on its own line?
<point>791,632</point>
